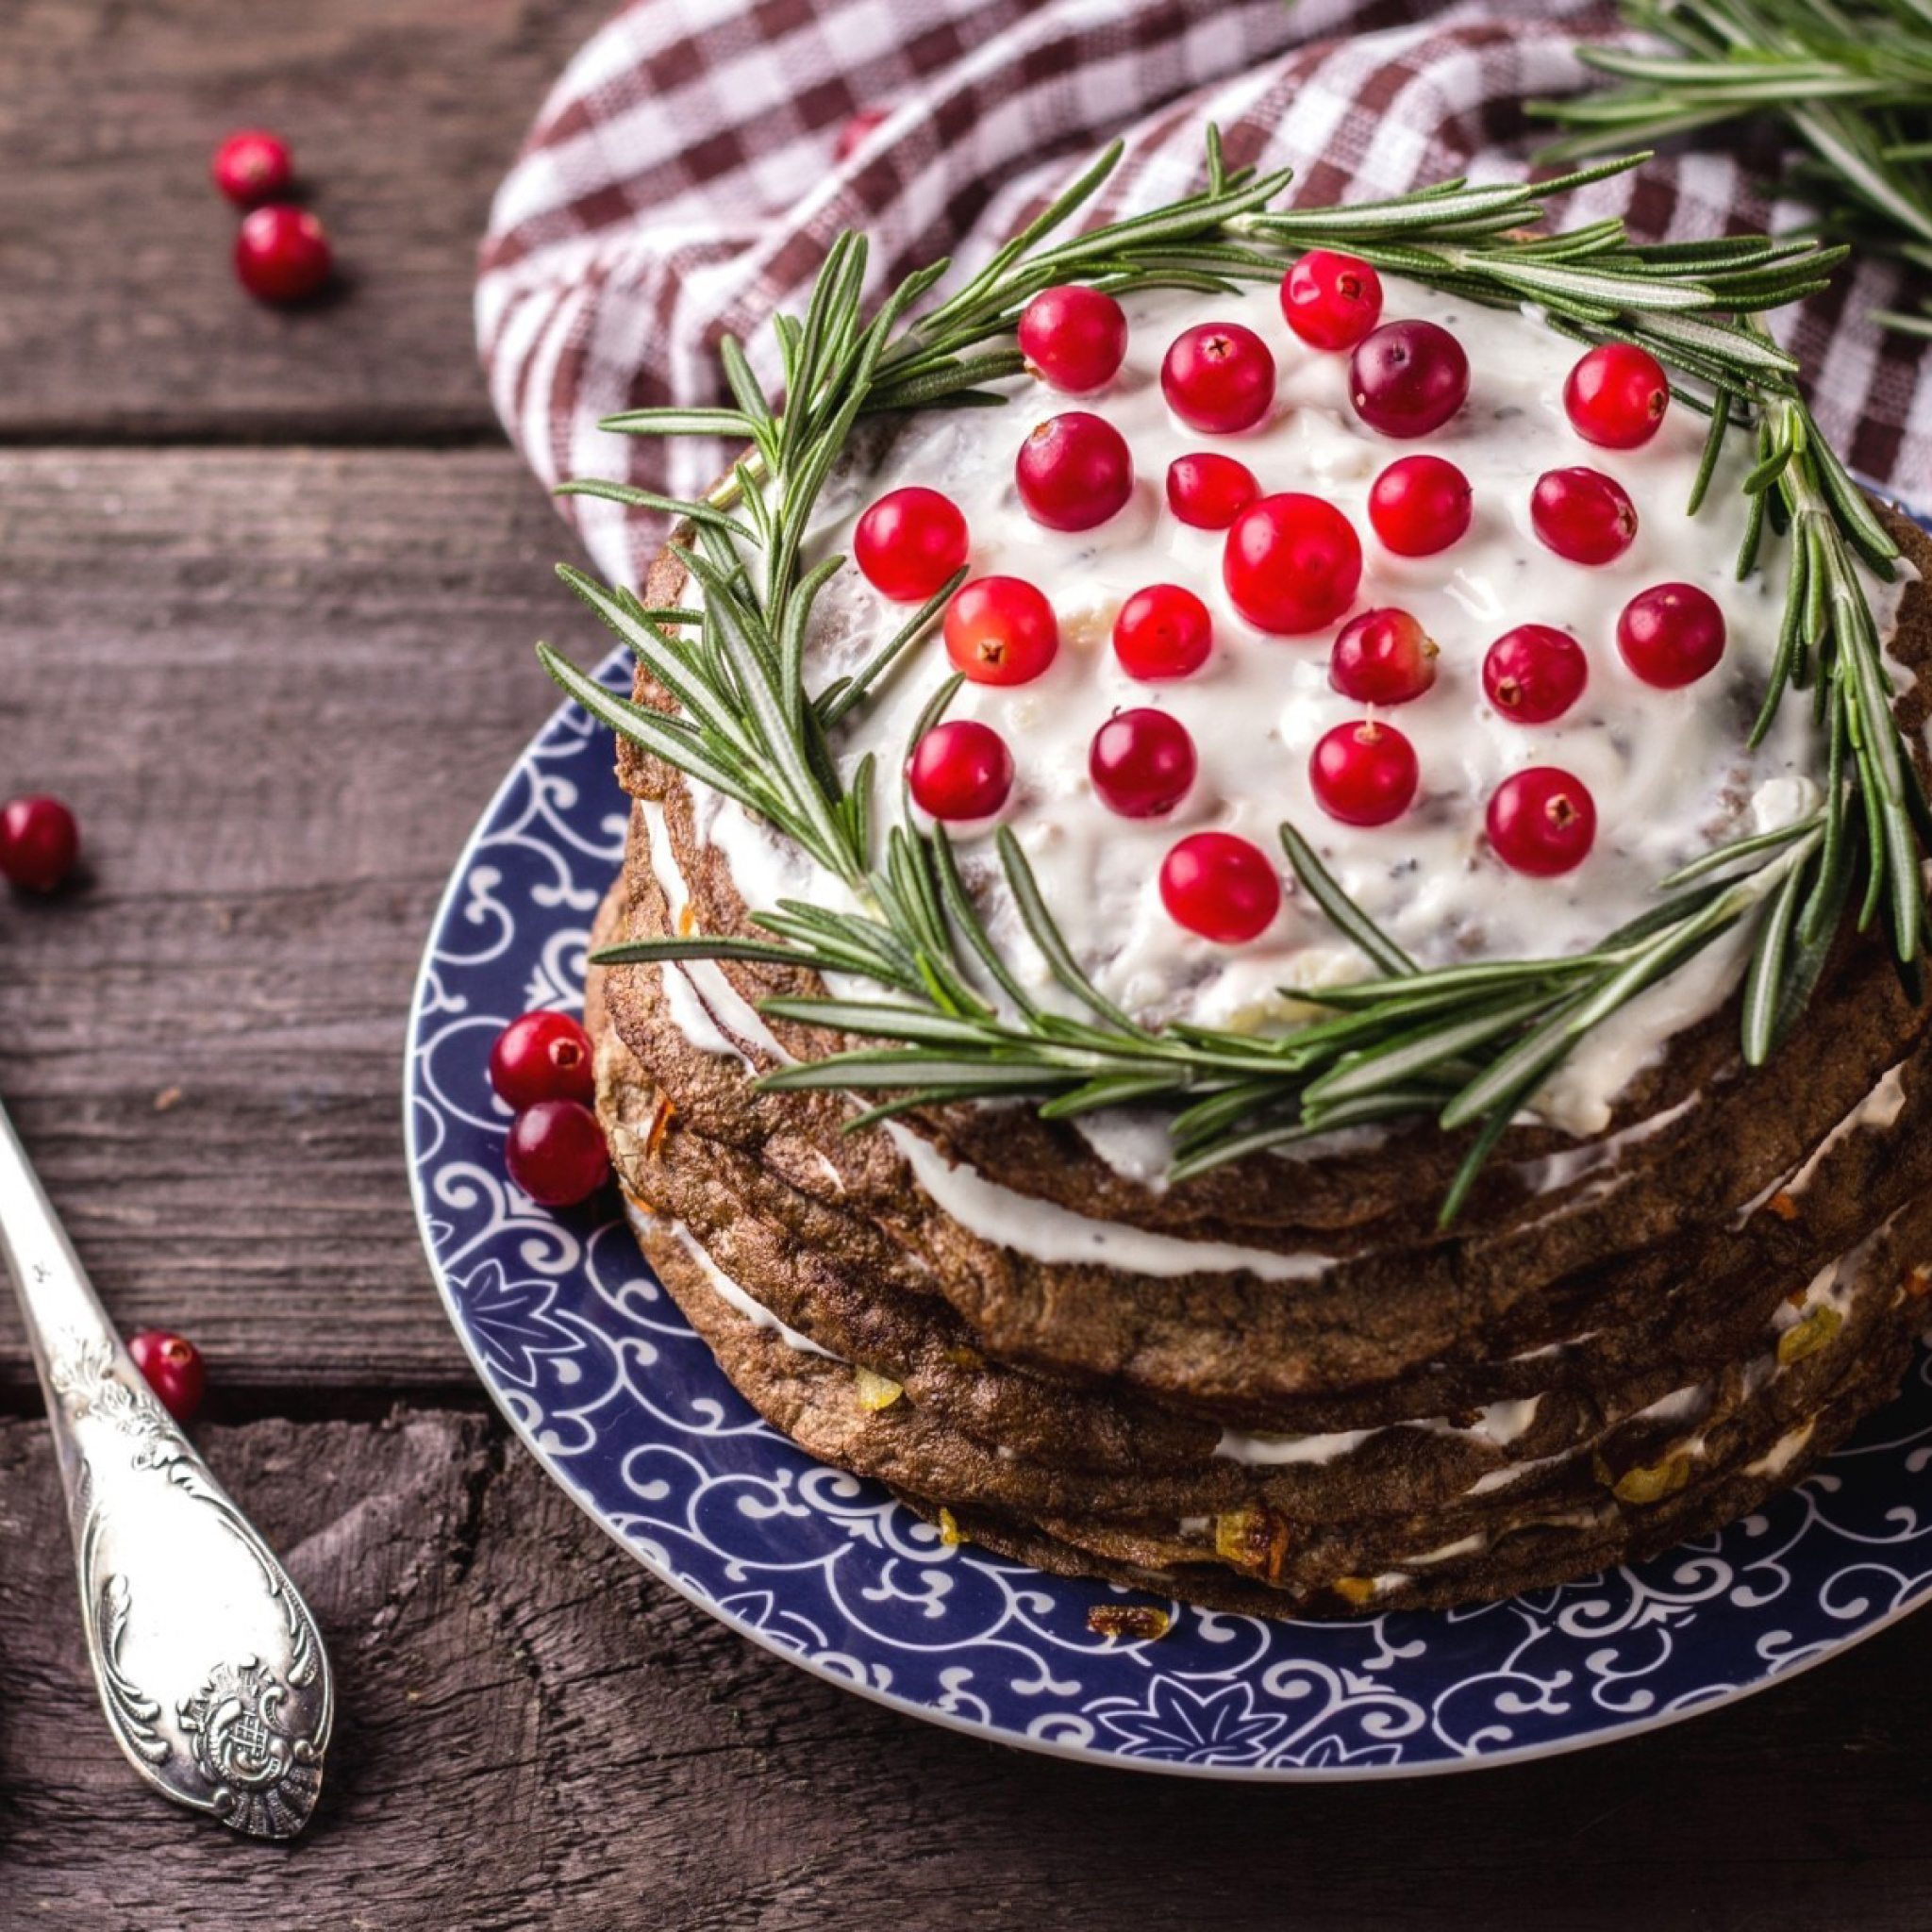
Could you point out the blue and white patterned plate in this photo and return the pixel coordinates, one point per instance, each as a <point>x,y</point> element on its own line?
<point>619,1401</point>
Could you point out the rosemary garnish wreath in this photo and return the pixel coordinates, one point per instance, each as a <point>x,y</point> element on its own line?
<point>1851,78</point>
<point>1469,1044</point>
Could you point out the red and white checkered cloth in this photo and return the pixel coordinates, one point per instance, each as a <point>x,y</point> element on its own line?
<point>680,182</point>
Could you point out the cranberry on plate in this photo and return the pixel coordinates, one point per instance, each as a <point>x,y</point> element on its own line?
<point>543,1056</point>
<point>554,1152</point>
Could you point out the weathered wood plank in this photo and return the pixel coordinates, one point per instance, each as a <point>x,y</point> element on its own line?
<point>535,1734</point>
<point>277,687</point>
<point>119,315</point>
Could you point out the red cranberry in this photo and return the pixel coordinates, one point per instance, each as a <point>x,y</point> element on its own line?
<point>554,1152</point>
<point>173,1367</point>
<point>1542,821</point>
<point>1220,887</point>
<point>1363,774</point>
<point>282,253</point>
<point>960,770</point>
<point>853,135</point>
<point>1419,505</point>
<point>1073,471</point>
<point>1218,377</point>
<point>1141,763</point>
<point>1408,379</point>
<point>1582,514</point>
<point>909,543</point>
<point>1534,673</point>
<point>1331,301</point>
<point>1617,395</point>
<point>1001,630</point>
<point>1671,634</point>
<point>1292,564</point>
<point>1208,492</point>
<point>252,167</point>
<point>1163,631</point>
<point>1077,337</point>
<point>39,841</point>
<point>543,1056</point>
<point>1383,657</point>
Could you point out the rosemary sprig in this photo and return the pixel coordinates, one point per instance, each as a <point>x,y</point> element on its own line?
<point>1851,78</point>
<point>951,1019</point>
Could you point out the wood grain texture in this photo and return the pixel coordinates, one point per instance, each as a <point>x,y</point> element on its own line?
<point>120,317</point>
<point>278,688</point>
<point>535,1734</point>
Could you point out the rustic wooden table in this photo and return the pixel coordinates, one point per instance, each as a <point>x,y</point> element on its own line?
<point>268,589</point>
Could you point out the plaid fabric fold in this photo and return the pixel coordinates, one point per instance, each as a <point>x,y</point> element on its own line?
<point>680,183</point>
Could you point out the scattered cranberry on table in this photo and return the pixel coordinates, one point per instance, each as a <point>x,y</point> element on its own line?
<point>554,1152</point>
<point>1141,763</point>
<point>543,1056</point>
<point>1363,774</point>
<point>1419,505</point>
<point>1292,564</point>
<point>909,543</point>
<point>1383,657</point>
<point>1533,674</point>
<point>960,770</point>
<point>1582,515</point>
<point>252,167</point>
<point>1208,490</point>
<point>282,253</point>
<point>1542,821</point>
<point>1220,887</point>
<point>1671,635</point>
<point>1218,377</point>
<point>173,1367</point>
<point>1616,395</point>
<point>1001,630</point>
<point>1073,471</point>
<point>1407,378</point>
<point>1161,632</point>
<point>1077,337</point>
<point>1331,301</point>
<point>852,136</point>
<point>39,843</point>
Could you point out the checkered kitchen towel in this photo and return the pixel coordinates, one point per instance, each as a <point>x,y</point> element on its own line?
<point>681,181</point>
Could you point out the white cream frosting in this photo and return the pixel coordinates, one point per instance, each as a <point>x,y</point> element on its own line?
<point>1667,768</point>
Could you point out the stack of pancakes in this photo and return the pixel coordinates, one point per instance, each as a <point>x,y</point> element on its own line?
<point>1279,1387</point>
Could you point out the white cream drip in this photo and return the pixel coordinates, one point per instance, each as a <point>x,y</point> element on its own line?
<point>1498,1425</point>
<point>1784,1452</point>
<point>727,1290</point>
<point>1056,1235</point>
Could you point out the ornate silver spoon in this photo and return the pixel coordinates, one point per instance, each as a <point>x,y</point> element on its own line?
<point>210,1668</point>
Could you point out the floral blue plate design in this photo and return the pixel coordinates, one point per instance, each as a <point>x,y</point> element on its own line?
<point>594,1368</point>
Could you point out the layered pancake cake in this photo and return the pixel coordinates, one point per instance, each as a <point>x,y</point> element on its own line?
<point>1282,1383</point>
